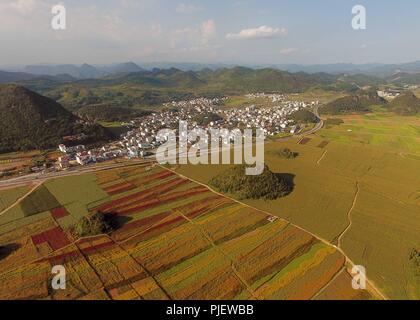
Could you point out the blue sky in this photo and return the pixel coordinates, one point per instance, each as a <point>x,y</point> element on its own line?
<point>216,31</point>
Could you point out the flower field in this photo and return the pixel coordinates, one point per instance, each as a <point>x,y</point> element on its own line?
<point>176,240</point>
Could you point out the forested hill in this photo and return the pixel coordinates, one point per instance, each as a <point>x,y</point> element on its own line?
<point>31,121</point>
<point>361,101</point>
<point>149,88</point>
<point>405,104</point>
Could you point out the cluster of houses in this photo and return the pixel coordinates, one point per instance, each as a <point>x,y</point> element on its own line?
<point>273,120</point>
<point>274,97</point>
<point>389,93</point>
<point>79,155</point>
<point>143,139</point>
<point>199,102</point>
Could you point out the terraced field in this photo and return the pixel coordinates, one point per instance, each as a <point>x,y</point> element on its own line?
<point>358,182</point>
<point>177,240</point>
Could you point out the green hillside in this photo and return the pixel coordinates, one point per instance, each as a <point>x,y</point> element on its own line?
<point>358,102</point>
<point>145,89</point>
<point>148,88</point>
<point>405,104</point>
<point>31,121</point>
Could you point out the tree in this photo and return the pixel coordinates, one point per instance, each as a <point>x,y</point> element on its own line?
<point>267,186</point>
<point>95,224</point>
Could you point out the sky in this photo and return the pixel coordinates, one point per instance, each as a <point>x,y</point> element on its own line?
<point>209,31</point>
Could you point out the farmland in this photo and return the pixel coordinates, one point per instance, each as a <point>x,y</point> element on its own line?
<point>357,185</point>
<point>176,240</point>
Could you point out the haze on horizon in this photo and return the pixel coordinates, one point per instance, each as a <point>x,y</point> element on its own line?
<point>217,31</point>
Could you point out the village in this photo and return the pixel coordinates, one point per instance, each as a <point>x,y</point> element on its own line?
<point>141,140</point>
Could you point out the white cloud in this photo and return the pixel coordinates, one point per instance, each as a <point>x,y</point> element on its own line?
<point>23,16</point>
<point>23,6</point>
<point>187,8</point>
<point>263,32</point>
<point>288,50</point>
<point>208,29</point>
<point>193,37</point>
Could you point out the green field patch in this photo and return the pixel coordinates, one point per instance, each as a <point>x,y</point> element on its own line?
<point>38,201</point>
<point>13,214</point>
<point>18,220</point>
<point>164,207</point>
<point>278,274</point>
<point>202,264</point>
<point>81,188</point>
<point>10,196</point>
<point>67,222</point>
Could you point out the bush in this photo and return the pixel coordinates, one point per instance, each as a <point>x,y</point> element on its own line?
<point>95,224</point>
<point>268,185</point>
<point>205,118</point>
<point>304,116</point>
<point>334,121</point>
<point>284,153</point>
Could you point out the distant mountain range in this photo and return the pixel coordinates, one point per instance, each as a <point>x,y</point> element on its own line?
<point>129,86</point>
<point>372,69</point>
<point>87,71</point>
<point>11,77</point>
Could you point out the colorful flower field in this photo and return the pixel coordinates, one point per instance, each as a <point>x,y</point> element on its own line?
<point>177,240</point>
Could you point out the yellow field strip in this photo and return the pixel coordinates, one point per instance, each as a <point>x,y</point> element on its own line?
<point>372,285</point>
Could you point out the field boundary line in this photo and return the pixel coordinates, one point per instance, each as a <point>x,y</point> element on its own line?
<point>349,216</point>
<point>348,260</point>
<point>232,261</point>
<point>143,267</point>
<point>22,198</point>
<point>322,157</point>
<point>343,269</point>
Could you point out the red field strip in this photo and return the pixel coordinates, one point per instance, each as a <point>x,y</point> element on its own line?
<point>59,213</point>
<point>157,230</point>
<point>181,194</point>
<point>145,223</point>
<point>323,144</point>
<point>63,258</point>
<point>147,204</point>
<point>156,176</point>
<point>97,248</point>
<point>56,238</point>
<point>158,201</point>
<point>142,195</point>
<point>119,188</point>
<point>201,207</point>
<point>304,141</point>
<point>191,210</point>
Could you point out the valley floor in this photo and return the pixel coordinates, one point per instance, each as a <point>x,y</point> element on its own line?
<point>357,192</point>
<point>373,156</point>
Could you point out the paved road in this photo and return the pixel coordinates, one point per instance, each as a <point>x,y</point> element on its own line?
<point>37,177</point>
<point>315,129</point>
